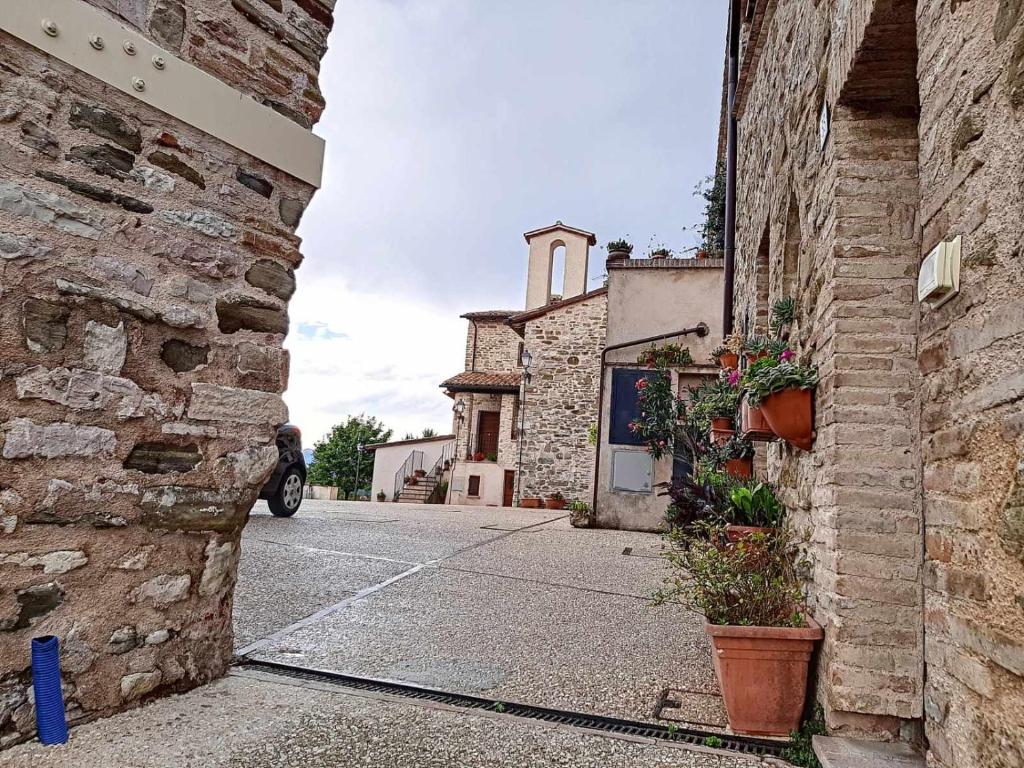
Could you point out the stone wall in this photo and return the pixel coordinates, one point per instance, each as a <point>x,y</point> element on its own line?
<point>912,488</point>
<point>972,162</point>
<point>145,269</point>
<point>492,347</point>
<point>561,399</point>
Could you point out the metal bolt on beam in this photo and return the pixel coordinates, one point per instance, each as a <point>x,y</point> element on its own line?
<point>129,47</point>
<point>138,84</point>
<point>50,28</point>
<point>97,42</point>
<point>159,62</point>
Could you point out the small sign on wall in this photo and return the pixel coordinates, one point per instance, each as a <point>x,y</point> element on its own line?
<point>824,124</point>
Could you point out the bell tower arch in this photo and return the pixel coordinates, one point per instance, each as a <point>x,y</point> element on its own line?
<point>543,244</point>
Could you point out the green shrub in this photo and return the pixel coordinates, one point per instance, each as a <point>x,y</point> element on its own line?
<point>755,582</point>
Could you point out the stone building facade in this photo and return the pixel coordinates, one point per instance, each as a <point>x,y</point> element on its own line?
<point>145,270</point>
<point>869,132</point>
<point>559,404</point>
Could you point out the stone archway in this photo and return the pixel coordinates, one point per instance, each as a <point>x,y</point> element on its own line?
<point>145,270</point>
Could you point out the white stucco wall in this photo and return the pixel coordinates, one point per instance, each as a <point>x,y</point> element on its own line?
<point>492,483</point>
<point>647,299</point>
<point>390,457</point>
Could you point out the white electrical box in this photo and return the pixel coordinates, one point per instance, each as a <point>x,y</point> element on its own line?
<point>939,278</point>
<point>632,471</point>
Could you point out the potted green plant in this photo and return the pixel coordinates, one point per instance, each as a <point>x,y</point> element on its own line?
<point>666,356</point>
<point>491,456</point>
<point>579,514</point>
<point>555,500</point>
<point>660,253</point>
<point>729,352</point>
<point>412,480</point>
<point>619,250</point>
<point>783,315</point>
<point>420,472</point>
<point>737,457</point>
<point>381,496</point>
<point>751,595</point>
<point>784,391</point>
<point>755,347</point>
<point>753,509</point>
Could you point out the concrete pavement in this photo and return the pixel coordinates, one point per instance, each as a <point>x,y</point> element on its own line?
<point>504,603</point>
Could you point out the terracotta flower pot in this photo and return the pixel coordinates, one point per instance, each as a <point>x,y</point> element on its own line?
<point>721,431</point>
<point>763,674</point>
<point>753,425</point>
<point>729,360</point>
<point>618,255</point>
<point>741,468</point>
<point>554,503</point>
<point>753,357</point>
<point>530,503</point>
<point>788,413</point>
<point>420,472</point>
<point>736,533</point>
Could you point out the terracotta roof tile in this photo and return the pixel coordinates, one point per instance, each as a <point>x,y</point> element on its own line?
<point>480,381</point>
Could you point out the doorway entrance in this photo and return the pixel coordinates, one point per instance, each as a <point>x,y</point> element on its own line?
<point>508,493</point>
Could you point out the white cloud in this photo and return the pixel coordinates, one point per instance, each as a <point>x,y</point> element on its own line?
<point>369,352</point>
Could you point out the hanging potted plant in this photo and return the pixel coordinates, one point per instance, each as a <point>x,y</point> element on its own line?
<point>659,413</point>
<point>784,391</point>
<point>555,501</point>
<point>756,347</point>
<point>619,250</point>
<point>751,595</point>
<point>737,457</point>
<point>722,357</point>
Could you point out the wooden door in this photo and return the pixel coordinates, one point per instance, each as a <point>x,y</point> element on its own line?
<point>487,439</point>
<point>510,488</point>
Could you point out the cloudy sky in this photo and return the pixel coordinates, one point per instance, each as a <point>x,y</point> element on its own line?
<point>452,127</point>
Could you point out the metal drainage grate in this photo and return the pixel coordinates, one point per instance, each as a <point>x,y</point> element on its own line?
<point>743,744</point>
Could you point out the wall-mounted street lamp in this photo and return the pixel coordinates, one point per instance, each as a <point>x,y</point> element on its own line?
<point>458,409</point>
<point>527,360</point>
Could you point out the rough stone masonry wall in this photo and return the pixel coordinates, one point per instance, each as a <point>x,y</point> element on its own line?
<point>972,163</point>
<point>145,270</point>
<point>845,218</point>
<point>497,347</point>
<point>561,399</point>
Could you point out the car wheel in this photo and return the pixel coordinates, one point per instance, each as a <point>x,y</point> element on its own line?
<point>288,498</point>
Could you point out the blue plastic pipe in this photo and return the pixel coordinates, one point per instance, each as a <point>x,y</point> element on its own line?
<point>51,721</point>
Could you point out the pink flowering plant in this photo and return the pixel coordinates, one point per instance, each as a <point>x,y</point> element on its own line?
<point>659,413</point>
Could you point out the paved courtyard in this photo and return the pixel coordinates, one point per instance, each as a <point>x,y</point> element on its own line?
<point>501,603</point>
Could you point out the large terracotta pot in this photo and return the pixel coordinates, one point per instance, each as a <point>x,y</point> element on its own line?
<point>729,360</point>
<point>736,533</point>
<point>788,413</point>
<point>531,503</point>
<point>741,468</point>
<point>753,425</point>
<point>763,674</point>
<point>554,503</point>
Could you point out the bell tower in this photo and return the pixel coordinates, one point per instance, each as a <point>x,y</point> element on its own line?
<point>543,244</point>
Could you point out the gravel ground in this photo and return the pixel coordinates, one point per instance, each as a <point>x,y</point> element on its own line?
<point>507,605</point>
<point>241,722</point>
<point>512,604</point>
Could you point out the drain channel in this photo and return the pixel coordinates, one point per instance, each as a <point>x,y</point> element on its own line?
<point>743,744</point>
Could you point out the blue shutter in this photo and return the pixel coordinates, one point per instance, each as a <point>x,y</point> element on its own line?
<point>624,405</point>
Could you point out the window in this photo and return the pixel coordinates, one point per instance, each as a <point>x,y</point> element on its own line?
<point>474,485</point>
<point>624,406</point>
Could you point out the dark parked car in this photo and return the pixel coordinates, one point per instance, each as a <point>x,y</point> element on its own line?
<point>283,491</point>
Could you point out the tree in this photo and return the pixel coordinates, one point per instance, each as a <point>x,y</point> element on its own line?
<point>334,458</point>
<point>429,432</point>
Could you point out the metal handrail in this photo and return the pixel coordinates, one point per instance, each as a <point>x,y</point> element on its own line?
<point>412,463</point>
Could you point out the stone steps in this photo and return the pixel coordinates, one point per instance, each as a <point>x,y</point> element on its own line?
<point>835,752</point>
